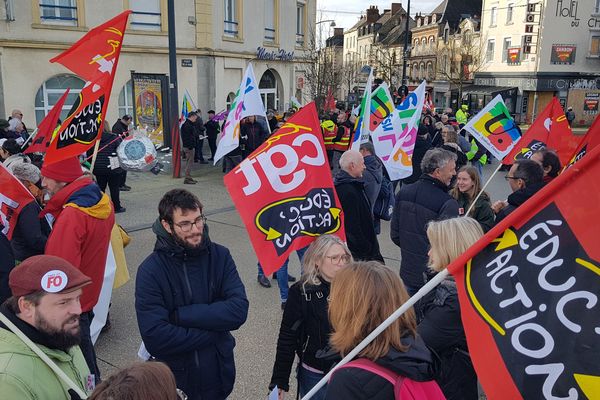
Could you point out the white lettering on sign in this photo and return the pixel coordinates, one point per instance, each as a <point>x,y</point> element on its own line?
<point>54,281</point>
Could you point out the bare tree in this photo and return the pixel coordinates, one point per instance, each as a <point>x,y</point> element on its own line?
<point>387,61</point>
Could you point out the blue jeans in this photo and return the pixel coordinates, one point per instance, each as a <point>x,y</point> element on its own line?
<point>307,380</point>
<point>282,274</point>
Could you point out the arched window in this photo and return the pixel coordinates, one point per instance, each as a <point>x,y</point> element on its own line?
<point>269,90</point>
<point>415,71</point>
<point>229,101</point>
<point>430,71</point>
<point>125,99</point>
<point>51,91</point>
<point>421,71</point>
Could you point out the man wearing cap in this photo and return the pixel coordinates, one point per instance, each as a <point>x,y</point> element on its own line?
<point>84,218</point>
<point>45,307</point>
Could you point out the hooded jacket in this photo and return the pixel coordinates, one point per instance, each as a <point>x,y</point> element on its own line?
<point>83,221</point>
<point>187,301</point>
<point>417,204</point>
<point>358,384</point>
<point>358,218</point>
<point>372,178</point>
<point>517,198</point>
<point>24,376</point>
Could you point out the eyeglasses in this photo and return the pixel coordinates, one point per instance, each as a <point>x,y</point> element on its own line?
<point>339,259</point>
<point>511,177</point>
<point>186,226</point>
<point>181,394</point>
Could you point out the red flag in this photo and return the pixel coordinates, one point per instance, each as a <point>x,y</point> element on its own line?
<point>589,141</point>
<point>284,192</point>
<point>94,57</point>
<point>329,100</point>
<point>528,293</point>
<point>550,129</point>
<point>13,197</point>
<point>47,127</point>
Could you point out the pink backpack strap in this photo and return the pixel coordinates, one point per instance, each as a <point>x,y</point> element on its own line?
<point>374,368</point>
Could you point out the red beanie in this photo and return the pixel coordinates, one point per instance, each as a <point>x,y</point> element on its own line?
<point>63,171</point>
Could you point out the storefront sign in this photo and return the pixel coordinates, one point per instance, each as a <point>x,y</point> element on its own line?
<point>513,56</point>
<point>541,84</point>
<point>590,103</point>
<point>563,54</point>
<point>274,55</point>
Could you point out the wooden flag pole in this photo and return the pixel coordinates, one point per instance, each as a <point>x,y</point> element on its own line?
<point>30,138</point>
<point>94,155</point>
<point>483,188</point>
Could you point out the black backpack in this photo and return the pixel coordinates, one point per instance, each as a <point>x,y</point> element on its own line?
<point>384,205</point>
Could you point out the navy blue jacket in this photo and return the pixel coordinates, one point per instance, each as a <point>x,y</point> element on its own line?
<point>187,302</point>
<point>417,204</point>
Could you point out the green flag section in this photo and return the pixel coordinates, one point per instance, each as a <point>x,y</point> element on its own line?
<point>529,290</point>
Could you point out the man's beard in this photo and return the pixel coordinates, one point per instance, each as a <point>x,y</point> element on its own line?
<point>185,244</point>
<point>58,339</point>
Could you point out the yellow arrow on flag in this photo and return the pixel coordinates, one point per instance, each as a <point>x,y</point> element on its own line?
<point>273,234</point>
<point>590,385</point>
<point>508,239</point>
<point>335,212</point>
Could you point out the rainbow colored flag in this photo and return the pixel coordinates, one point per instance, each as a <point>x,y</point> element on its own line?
<point>361,127</point>
<point>187,106</point>
<point>382,106</point>
<point>494,128</point>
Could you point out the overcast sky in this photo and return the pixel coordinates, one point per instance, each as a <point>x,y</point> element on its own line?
<point>346,12</point>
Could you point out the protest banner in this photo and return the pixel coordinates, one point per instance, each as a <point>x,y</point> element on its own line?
<point>589,141</point>
<point>284,193</point>
<point>361,126</point>
<point>550,129</point>
<point>13,197</point>
<point>494,128</point>
<point>46,128</point>
<point>381,106</point>
<point>247,102</point>
<point>394,138</point>
<point>94,58</point>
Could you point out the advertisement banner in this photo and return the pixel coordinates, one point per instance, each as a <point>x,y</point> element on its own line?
<point>284,192</point>
<point>563,54</point>
<point>590,103</point>
<point>150,107</point>
<point>513,56</point>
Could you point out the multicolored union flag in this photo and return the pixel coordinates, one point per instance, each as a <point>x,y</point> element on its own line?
<point>361,126</point>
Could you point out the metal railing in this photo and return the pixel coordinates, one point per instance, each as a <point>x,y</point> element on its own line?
<point>230,28</point>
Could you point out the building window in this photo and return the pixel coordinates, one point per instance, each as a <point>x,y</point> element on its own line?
<point>595,46</point>
<point>300,23</point>
<point>125,99</point>
<point>509,13</point>
<point>51,91</point>
<point>421,71</point>
<point>430,75</point>
<point>415,71</point>
<point>493,16</point>
<point>145,15</point>
<point>229,100</point>
<point>268,90</point>
<point>489,52</point>
<point>231,23</point>
<point>505,46</point>
<point>597,7</point>
<point>270,21</point>
<point>58,12</point>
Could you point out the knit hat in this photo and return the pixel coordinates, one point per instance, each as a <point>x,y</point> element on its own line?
<point>27,172</point>
<point>45,273</point>
<point>63,171</point>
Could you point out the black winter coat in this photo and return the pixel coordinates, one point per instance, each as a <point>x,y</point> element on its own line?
<point>422,144</point>
<point>187,302</point>
<point>189,138</point>
<point>107,148</point>
<point>417,204</point>
<point>358,218</point>
<point>120,127</point>
<point>372,177</point>
<point>304,330</point>
<point>7,263</point>
<point>212,129</point>
<point>482,211</point>
<point>357,384</point>
<point>517,198</point>
<point>252,136</point>
<point>442,331</point>
<point>31,233</point>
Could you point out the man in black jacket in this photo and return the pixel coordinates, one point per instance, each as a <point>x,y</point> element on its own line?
<point>188,298</point>
<point>189,138</point>
<point>525,178</point>
<point>358,218</point>
<point>200,131</point>
<point>417,204</point>
<point>212,131</point>
<point>121,127</point>
<point>252,136</point>
<point>7,263</point>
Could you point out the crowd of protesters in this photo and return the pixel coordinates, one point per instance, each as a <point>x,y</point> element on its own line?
<point>189,296</point>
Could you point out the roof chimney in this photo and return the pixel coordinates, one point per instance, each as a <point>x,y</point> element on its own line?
<point>372,14</point>
<point>338,31</point>
<point>396,7</point>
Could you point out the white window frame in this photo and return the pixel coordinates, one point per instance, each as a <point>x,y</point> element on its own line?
<point>270,35</point>
<point>506,43</point>
<point>493,16</point>
<point>489,55</point>
<point>56,6</point>
<point>126,106</point>
<point>46,106</point>
<point>230,22</point>
<point>145,16</point>
<point>510,11</point>
<point>300,23</point>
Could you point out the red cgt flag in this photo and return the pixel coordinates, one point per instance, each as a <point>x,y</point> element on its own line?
<point>589,141</point>
<point>47,127</point>
<point>550,129</point>
<point>529,290</point>
<point>94,57</point>
<point>13,197</point>
<point>284,192</point>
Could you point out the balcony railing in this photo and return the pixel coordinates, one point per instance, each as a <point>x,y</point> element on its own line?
<point>269,35</point>
<point>230,28</point>
<point>299,39</point>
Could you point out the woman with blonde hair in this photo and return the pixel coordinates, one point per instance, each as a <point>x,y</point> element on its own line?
<point>364,295</point>
<point>468,186</point>
<point>305,325</point>
<point>441,326</point>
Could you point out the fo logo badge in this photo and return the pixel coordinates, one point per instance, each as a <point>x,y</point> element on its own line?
<point>54,281</point>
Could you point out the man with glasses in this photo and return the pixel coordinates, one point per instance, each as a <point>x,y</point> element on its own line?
<point>525,178</point>
<point>188,297</point>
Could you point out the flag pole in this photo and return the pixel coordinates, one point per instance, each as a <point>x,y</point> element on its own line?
<point>428,287</point>
<point>94,155</point>
<point>483,188</point>
<point>30,138</point>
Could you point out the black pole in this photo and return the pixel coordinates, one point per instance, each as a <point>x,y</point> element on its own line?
<point>173,94</point>
<point>406,54</point>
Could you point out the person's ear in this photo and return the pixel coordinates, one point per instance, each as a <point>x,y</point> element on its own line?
<point>26,308</point>
<point>167,226</point>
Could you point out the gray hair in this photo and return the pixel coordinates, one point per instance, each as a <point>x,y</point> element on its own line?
<point>368,146</point>
<point>349,157</point>
<point>315,256</point>
<point>436,158</point>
